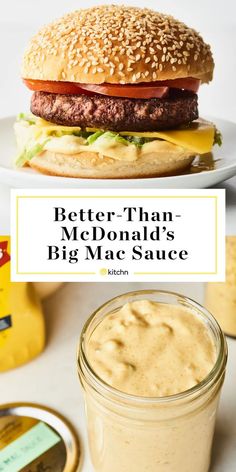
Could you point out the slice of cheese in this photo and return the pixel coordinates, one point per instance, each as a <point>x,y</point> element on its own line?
<point>49,127</point>
<point>199,137</point>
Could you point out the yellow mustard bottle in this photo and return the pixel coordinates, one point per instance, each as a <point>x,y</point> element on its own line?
<point>22,330</point>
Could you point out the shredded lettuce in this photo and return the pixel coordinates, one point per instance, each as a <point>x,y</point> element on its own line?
<point>139,141</point>
<point>82,134</point>
<point>89,136</point>
<point>92,137</point>
<point>28,153</point>
<point>31,120</point>
<point>38,136</point>
<point>116,136</point>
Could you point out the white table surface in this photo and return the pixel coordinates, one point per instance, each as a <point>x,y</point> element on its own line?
<point>51,379</point>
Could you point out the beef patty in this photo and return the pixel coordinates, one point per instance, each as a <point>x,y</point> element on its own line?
<point>117,114</point>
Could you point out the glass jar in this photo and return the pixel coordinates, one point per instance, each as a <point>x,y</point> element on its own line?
<point>130,433</point>
<point>220,297</point>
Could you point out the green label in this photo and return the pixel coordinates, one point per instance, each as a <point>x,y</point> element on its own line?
<point>27,448</point>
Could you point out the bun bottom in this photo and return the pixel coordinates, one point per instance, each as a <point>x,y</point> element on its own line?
<point>90,165</point>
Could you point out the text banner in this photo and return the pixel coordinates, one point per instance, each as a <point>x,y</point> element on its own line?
<point>118,235</point>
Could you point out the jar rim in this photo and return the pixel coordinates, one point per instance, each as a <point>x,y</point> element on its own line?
<point>213,376</point>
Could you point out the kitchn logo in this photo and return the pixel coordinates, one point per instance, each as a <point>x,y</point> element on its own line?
<point>113,272</point>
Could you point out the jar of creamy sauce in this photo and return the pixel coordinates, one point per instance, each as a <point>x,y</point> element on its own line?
<point>220,297</point>
<point>152,365</point>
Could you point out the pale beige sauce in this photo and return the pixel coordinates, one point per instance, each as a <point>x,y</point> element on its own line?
<point>151,349</point>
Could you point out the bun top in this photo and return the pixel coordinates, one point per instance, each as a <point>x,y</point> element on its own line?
<point>117,44</point>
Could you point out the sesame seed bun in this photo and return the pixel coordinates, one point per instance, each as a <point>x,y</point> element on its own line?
<point>168,159</point>
<point>117,44</point>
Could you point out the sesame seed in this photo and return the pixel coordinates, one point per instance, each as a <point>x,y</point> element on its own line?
<point>91,38</point>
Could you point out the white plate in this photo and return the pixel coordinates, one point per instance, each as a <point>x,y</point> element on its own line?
<point>224,156</point>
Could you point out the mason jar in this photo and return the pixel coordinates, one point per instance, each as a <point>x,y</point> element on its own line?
<point>144,434</point>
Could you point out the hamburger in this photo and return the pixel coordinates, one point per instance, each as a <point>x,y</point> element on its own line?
<point>114,95</point>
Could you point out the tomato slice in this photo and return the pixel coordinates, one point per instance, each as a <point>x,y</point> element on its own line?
<point>68,88</point>
<point>71,88</point>
<point>156,89</point>
<point>129,91</point>
<point>187,83</point>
